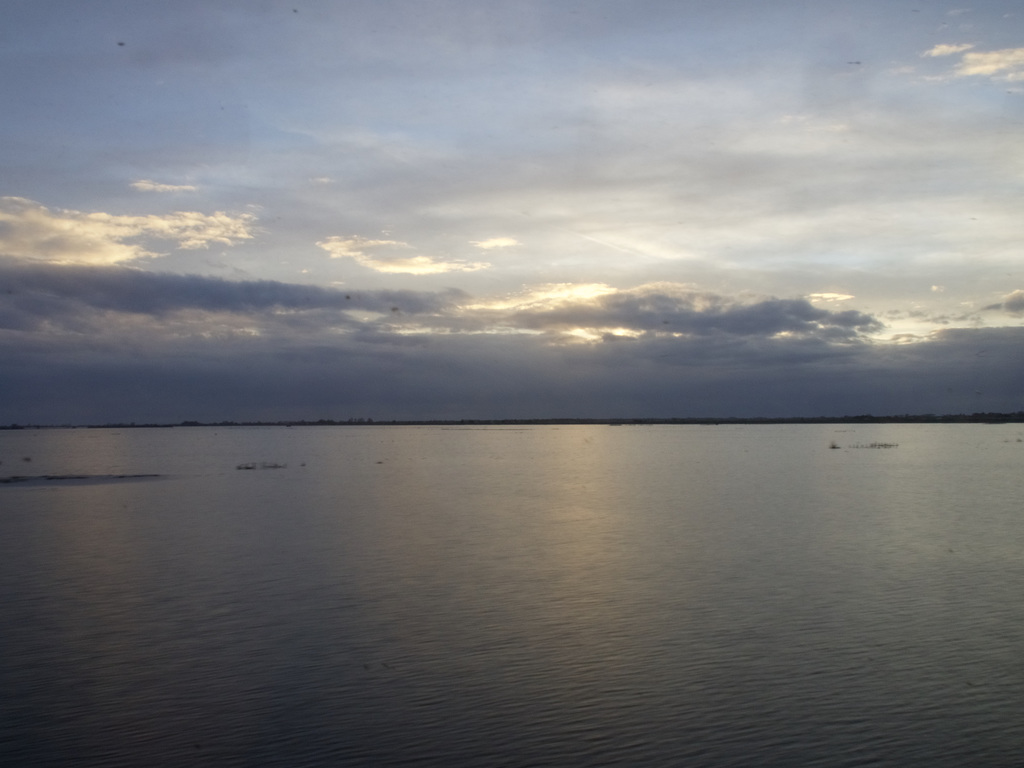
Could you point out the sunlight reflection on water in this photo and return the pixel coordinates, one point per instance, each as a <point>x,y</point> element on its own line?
<point>574,595</point>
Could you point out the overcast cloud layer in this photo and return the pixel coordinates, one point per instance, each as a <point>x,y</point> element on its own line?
<point>536,209</point>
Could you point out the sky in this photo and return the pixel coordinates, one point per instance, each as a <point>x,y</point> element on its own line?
<point>423,209</point>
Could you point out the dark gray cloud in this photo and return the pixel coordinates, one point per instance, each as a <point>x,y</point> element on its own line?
<point>1012,303</point>
<point>33,293</point>
<point>476,376</point>
<point>699,313</point>
<point>113,344</point>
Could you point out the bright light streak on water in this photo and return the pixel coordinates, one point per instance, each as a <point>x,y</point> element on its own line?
<point>700,596</point>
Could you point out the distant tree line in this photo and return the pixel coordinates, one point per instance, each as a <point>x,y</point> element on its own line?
<point>907,418</point>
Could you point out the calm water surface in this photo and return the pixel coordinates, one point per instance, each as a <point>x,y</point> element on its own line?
<point>677,596</point>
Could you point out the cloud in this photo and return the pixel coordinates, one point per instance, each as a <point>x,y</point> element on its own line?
<point>67,295</point>
<point>495,242</point>
<point>545,296</point>
<point>30,230</point>
<point>244,376</point>
<point>1013,303</point>
<point>85,343</point>
<point>388,256</point>
<point>596,312</point>
<point>1007,63</point>
<point>947,49</point>
<point>830,297</point>
<point>145,185</point>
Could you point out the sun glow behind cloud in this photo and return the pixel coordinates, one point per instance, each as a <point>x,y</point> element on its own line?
<point>545,296</point>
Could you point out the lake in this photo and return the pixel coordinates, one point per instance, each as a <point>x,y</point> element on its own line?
<point>538,595</point>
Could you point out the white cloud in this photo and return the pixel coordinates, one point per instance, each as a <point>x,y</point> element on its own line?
<point>32,231</point>
<point>948,49</point>
<point>147,185</point>
<point>389,256</point>
<point>1008,62</point>
<point>830,297</point>
<point>495,242</point>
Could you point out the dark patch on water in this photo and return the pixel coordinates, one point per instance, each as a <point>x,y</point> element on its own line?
<point>73,479</point>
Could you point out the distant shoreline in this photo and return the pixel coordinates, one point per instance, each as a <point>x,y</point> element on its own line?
<point>927,418</point>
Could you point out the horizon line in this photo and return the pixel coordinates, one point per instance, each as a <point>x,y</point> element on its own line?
<point>923,418</point>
